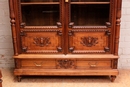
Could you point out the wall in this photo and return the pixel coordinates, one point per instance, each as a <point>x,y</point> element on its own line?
<point>6,46</point>
<point>124,46</point>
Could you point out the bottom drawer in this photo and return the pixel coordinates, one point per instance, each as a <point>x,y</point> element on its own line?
<point>37,63</point>
<point>94,64</point>
<point>64,64</point>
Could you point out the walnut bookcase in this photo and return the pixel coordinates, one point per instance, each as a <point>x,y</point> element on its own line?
<point>65,37</point>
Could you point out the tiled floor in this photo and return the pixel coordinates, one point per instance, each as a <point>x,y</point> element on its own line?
<point>123,80</point>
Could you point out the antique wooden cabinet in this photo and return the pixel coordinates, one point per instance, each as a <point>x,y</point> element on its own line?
<point>65,37</point>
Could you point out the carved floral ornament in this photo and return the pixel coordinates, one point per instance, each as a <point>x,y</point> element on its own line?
<point>42,41</point>
<point>89,41</point>
<point>65,64</point>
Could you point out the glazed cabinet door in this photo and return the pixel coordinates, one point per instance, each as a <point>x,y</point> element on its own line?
<point>89,26</point>
<point>41,26</point>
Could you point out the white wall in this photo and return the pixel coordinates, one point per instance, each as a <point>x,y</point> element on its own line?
<point>124,46</point>
<point>6,46</point>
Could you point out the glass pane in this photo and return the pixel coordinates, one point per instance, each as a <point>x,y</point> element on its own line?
<point>39,0</point>
<point>90,0</point>
<point>90,14</point>
<point>40,15</point>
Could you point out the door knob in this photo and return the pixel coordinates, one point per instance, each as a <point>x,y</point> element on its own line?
<point>66,0</point>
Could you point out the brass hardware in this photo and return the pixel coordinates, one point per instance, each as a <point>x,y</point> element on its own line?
<point>93,66</point>
<point>38,64</point>
<point>66,0</point>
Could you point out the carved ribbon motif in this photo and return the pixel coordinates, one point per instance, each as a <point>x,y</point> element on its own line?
<point>42,41</point>
<point>65,64</point>
<point>89,41</point>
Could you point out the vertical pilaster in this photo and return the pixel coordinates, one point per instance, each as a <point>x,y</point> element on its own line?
<point>118,20</point>
<point>12,21</point>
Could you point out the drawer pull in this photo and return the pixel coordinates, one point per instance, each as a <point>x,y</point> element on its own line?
<point>93,66</point>
<point>37,64</point>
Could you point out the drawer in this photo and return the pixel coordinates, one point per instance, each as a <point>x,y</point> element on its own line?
<point>65,64</point>
<point>38,63</point>
<point>93,64</point>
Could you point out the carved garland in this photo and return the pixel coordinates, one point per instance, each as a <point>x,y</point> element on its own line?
<point>41,41</point>
<point>65,64</point>
<point>89,41</point>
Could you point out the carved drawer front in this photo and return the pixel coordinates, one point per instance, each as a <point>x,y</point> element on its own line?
<point>41,42</point>
<point>66,63</point>
<point>89,41</point>
<point>93,64</point>
<point>38,63</point>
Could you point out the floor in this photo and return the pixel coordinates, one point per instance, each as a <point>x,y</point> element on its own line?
<point>122,80</point>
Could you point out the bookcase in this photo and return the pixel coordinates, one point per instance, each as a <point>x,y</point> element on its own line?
<point>65,37</point>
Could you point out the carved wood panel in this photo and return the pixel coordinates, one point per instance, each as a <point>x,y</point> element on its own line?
<point>41,42</point>
<point>65,64</point>
<point>89,42</point>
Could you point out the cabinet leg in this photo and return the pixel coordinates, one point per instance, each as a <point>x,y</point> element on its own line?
<point>19,78</point>
<point>112,78</point>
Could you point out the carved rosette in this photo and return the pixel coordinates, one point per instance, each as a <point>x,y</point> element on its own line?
<point>89,41</point>
<point>65,64</point>
<point>41,41</point>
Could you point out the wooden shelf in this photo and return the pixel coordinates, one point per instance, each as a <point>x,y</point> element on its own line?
<point>39,3</point>
<point>90,3</point>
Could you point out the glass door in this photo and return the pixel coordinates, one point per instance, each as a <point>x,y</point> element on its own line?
<point>41,26</point>
<point>89,12</point>
<point>40,12</point>
<point>88,26</point>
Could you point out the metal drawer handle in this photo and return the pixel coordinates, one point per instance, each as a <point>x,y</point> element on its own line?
<point>38,64</point>
<point>93,65</point>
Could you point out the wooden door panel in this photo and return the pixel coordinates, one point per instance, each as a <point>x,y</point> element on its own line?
<point>41,42</point>
<point>89,42</point>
